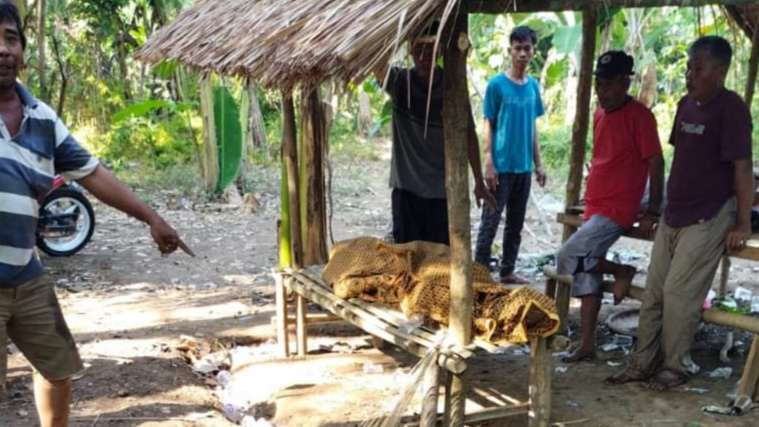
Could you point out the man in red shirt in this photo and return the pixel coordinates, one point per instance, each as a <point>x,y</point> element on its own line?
<point>626,151</point>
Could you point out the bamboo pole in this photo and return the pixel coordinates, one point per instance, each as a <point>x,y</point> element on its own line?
<point>210,147</point>
<point>313,205</point>
<point>580,129</point>
<point>456,113</point>
<point>430,389</point>
<point>290,154</point>
<point>747,386</point>
<point>280,303</point>
<point>289,142</point>
<point>540,383</point>
<point>753,67</point>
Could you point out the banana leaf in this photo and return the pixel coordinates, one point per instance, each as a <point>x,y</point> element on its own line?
<point>228,136</point>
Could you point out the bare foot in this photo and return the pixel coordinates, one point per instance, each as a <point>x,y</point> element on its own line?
<point>622,283</point>
<point>513,279</point>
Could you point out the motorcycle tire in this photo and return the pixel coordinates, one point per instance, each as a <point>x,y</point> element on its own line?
<point>57,250</point>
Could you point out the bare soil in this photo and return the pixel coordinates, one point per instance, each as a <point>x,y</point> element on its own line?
<point>129,309</point>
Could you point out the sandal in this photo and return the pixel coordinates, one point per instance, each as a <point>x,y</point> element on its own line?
<point>666,379</point>
<point>628,375</point>
<point>579,356</point>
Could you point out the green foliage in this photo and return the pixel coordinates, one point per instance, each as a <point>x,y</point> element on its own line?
<point>228,135</point>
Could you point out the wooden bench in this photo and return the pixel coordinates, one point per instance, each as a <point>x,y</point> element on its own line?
<point>558,286</point>
<point>388,324</point>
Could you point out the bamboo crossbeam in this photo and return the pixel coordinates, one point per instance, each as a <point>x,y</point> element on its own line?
<point>749,252</point>
<point>527,6</point>
<point>712,315</point>
<point>481,415</point>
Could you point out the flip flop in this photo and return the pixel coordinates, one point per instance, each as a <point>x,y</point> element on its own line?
<point>578,356</point>
<point>666,379</point>
<point>628,375</point>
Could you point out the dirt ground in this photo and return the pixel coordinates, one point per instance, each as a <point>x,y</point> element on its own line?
<point>130,311</point>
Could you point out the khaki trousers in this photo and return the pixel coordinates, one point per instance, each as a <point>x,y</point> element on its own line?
<point>683,263</point>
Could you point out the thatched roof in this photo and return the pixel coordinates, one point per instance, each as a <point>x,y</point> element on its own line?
<point>747,17</point>
<point>282,43</point>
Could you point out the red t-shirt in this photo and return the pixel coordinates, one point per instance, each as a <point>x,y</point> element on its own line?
<point>623,142</point>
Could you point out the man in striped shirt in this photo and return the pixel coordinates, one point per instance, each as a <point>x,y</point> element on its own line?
<point>34,146</point>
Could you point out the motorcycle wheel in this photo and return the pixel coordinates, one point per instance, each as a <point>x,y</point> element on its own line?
<point>66,200</point>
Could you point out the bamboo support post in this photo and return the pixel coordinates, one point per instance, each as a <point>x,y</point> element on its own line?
<point>540,383</point>
<point>724,275</point>
<point>562,306</point>
<point>580,129</point>
<point>747,387</point>
<point>429,403</point>
<point>300,325</point>
<point>290,155</point>
<point>551,287</point>
<point>753,67</point>
<point>456,113</point>
<point>280,302</point>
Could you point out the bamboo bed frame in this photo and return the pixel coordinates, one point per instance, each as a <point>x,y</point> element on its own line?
<point>385,323</point>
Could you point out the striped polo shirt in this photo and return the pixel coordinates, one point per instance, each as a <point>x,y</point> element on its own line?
<point>29,161</point>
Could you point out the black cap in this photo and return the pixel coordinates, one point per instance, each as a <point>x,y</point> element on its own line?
<point>614,63</point>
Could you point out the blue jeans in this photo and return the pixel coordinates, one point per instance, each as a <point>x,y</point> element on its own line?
<point>512,193</point>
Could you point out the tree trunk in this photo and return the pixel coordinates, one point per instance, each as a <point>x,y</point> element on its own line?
<point>456,113</point>
<point>41,50</point>
<point>290,149</point>
<point>647,95</point>
<point>257,130</point>
<point>211,150</point>
<point>313,207</point>
<point>752,69</point>
<point>62,70</point>
<point>580,129</point>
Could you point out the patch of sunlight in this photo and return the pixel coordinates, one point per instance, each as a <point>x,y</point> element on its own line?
<point>240,279</point>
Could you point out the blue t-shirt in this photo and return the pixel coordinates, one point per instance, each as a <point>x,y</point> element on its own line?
<point>512,109</point>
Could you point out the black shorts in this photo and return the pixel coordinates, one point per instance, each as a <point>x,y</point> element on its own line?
<point>419,218</point>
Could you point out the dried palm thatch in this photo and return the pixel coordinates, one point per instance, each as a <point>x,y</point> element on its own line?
<point>281,43</point>
<point>746,16</point>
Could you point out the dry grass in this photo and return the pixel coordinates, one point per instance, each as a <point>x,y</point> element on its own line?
<point>283,43</point>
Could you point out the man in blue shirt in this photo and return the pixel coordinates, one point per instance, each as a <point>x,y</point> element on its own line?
<point>512,103</point>
<point>35,146</point>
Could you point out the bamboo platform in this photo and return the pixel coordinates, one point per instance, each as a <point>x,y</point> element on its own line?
<point>387,324</point>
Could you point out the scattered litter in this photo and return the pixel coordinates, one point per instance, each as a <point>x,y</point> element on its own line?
<point>561,354</point>
<point>223,378</point>
<point>561,369</point>
<point>614,364</point>
<point>697,390</point>
<point>723,372</point>
<point>410,325</point>
<point>742,294</point>
<point>709,298</point>
<point>609,347</point>
<point>573,403</point>
<point>23,413</point>
<point>721,410</point>
<point>373,368</point>
<point>690,366</point>
<point>755,304</point>
<point>166,411</point>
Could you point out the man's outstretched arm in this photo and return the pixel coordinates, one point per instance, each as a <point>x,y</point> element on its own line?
<point>103,185</point>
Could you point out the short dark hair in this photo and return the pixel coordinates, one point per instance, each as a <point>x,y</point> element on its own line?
<point>9,13</point>
<point>715,46</point>
<point>523,34</point>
